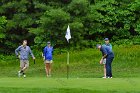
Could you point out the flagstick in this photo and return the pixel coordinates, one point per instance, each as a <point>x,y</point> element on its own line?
<point>68,36</point>
<point>67,64</point>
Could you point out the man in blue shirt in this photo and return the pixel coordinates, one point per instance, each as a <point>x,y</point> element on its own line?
<point>104,61</point>
<point>109,55</point>
<point>107,43</point>
<point>48,57</point>
<point>22,52</point>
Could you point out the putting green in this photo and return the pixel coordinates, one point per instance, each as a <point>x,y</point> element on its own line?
<point>114,84</point>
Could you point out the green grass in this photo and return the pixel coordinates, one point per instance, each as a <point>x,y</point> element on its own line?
<point>72,85</point>
<point>85,73</point>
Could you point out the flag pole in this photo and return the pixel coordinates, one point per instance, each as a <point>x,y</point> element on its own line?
<point>68,64</point>
<point>68,36</point>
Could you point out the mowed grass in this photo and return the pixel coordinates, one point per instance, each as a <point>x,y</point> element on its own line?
<point>84,76</point>
<point>72,85</point>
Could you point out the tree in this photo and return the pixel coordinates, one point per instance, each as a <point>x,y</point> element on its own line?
<point>3,21</point>
<point>52,27</point>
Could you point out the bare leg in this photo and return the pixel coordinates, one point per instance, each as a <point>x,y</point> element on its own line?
<point>23,68</point>
<point>47,69</point>
<point>104,70</point>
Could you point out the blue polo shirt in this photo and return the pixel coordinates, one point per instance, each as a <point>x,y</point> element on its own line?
<point>108,45</point>
<point>107,50</point>
<point>47,52</point>
<point>24,52</point>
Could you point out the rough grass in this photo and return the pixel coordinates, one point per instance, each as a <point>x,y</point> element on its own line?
<point>83,64</point>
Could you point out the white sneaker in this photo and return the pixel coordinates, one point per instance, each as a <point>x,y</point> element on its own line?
<point>103,77</point>
<point>19,74</point>
<point>24,76</point>
<point>109,77</point>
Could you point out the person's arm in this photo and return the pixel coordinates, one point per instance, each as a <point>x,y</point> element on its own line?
<point>30,51</point>
<point>17,51</point>
<point>104,55</point>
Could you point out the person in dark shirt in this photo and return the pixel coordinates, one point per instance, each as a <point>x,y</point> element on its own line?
<point>109,55</point>
<point>107,43</point>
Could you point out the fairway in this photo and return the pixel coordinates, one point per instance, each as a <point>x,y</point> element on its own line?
<point>72,85</point>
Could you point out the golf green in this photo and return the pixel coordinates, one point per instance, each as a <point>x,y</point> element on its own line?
<point>119,85</point>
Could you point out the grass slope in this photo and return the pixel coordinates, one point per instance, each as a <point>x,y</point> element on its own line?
<point>85,73</point>
<point>73,85</point>
<point>83,64</point>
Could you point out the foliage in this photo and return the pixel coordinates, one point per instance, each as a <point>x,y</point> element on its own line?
<point>2,23</point>
<point>40,21</point>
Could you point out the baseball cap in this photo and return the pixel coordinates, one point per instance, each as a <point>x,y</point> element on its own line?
<point>106,39</point>
<point>48,42</point>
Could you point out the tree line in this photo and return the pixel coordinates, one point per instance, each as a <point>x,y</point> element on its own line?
<point>90,21</point>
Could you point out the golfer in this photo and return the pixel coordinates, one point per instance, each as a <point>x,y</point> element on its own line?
<point>104,61</point>
<point>22,52</point>
<point>107,43</point>
<point>48,58</point>
<point>109,55</point>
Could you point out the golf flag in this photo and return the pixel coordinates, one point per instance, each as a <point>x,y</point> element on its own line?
<point>68,35</point>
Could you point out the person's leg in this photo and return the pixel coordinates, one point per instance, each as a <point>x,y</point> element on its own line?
<point>20,72</point>
<point>47,69</point>
<point>25,65</point>
<point>111,66</point>
<point>21,65</point>
<point>50,68</point>
<point>104,70</point>
<point>108,67</point>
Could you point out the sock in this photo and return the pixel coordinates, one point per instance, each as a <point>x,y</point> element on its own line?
<point>21,71</point>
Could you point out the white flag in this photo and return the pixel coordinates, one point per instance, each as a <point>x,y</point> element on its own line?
<point>68,35</point>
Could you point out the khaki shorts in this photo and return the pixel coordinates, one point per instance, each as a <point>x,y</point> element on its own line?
<point>24,63</point>
<point>104,61</point>
<point>47,61</point>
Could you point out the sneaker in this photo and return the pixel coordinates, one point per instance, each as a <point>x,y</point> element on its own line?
<point>19,74</point>
<point>103,77</point>
<point>109,77</point>
<point>24,76</point>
